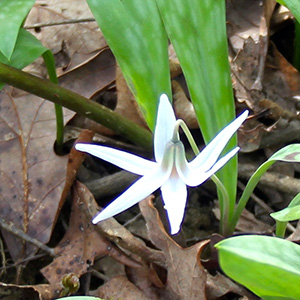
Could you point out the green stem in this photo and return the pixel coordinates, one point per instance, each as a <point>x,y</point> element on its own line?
<point>296,58</point>
<point>280,228</point>
<point>92,110</point>
<point>224,207</point>
<point>50,65</point>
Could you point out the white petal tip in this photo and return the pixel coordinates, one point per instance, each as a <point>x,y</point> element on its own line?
<point>244,115</point>
<point>164,97</point>
<point>80,147</point>
<point>98,219</point>
<point>174,231</point>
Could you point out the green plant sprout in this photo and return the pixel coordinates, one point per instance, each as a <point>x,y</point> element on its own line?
<point>171,171</point>
<point>288,214</point>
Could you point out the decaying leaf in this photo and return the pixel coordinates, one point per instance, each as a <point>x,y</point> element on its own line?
<point>31,174</point>
<point>119,235</point>
<point>92,75</point>
<point>30,292</point>
<point>186,278</point>
<point>71,43</point>
<point>81,243</point>
<point>120,288</point>
<point>220,285</point>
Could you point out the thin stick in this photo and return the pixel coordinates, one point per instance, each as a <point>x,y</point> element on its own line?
<point>10,227</point>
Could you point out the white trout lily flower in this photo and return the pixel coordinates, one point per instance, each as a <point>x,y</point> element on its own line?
<point>170,171</point>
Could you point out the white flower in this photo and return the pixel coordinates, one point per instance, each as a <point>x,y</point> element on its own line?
<point>170,171</point>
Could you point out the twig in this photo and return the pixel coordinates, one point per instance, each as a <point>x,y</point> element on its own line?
<point>10,227</point>
<point>66,98</point>
<point>65,22</point>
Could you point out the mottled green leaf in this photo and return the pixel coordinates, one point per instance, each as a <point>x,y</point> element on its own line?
<point>197,30</point>
<point>135,34</point>
<point>268,266</point>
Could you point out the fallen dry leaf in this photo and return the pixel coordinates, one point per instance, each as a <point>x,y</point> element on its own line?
<point>92,75</point>
<point>75,160</point>
<point>220,285</point>
<point>30,292</point>
<point>120,288</point>
<point>119,235</point>
<point>72,44</point>
<point>186,277</point>
<point>81,244</point>
<point>126,104</point>
<point>31,174</point>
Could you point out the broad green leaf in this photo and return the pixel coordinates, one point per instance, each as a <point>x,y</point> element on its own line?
<point>27,50</point>
<point>290,153</point>
<point>268,266</point>
<point>12,14</point>
<point>134,31</point>
<point>288,214</point>
<point>197,30</point>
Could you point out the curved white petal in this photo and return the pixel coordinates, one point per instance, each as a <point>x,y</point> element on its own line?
<point>135,193</point>
<point>174,195</point>
<point>207,158</point>
<point>196,176</point>
<point>122,159</point>
<point>164,126</point>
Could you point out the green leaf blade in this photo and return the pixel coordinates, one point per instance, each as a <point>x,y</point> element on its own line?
<point>287,214</point>
<point>198,33</point>
<point>12,14</point>
<point>28,48</point>
<point>290,153</point>
<point>137,38</point>
<point>268,266</point>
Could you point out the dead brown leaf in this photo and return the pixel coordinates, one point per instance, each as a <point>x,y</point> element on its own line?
<point>81,243</point>
<point>72,44</point>
<point>186,277</point>
<point>92,75</point>
<point>120,288</point>
<point>119,235</point>
<point>30,292</point>
<point>75,160</point>
<point>126,104</point>
<point>220,285</point>
<point>32,175</point>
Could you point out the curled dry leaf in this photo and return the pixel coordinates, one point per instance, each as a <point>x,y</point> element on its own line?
<point>32,176</point>
<point>250,19</point>
<point>92,75</point>
<point>119,235</point>
<point>81,243</point>
<point>40,291</point>
<point>75,160</point>
<point>71,43</point>
<point>186,277</point>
